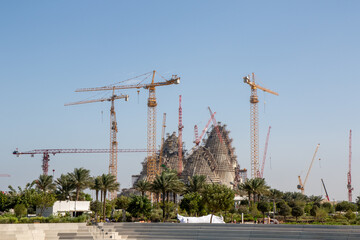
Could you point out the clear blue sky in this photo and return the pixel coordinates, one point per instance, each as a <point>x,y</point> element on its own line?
<point>308,51</point>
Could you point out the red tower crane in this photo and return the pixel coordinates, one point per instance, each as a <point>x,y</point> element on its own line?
<point>180,127</point>
<point>349,187</point>
<point>265,151</point>
<point>46,154</point>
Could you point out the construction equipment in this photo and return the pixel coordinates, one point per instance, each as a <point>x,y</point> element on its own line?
<point>197,138</point>
<point>327,195</point>
<point>113,132</point>
<point>162,144</point>
<point>215,125</point>
<point>151,119</point>
<point>261,175</point>
<point>47,152</point>
<point>301,185</point>
<point>349,187</point>
<point>254,122</point>
<point>5,175</point>
<point>180,128</point>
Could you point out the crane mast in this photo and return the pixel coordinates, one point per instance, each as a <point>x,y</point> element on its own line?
<point>180,127</point>
<point>113,147</point>
<point>349,187</point>
<point>151,133</point>
<point>254,123</point>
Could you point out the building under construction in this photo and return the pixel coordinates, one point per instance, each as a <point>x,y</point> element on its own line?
<point>215,158</point>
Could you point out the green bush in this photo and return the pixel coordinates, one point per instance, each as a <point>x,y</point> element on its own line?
<point>350,215</point>
<point>24,220</point>
<point>20,210</point>
<point>156,215</point>
<point>13,219</point>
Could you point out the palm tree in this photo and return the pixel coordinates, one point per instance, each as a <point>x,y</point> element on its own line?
<point>81,179</point>
<point>164,184</point>
<point>108,184</point>
<point>45,183</point>
<point>246,187</point>
<point>196,183</point>
<point>143,186</point>
<point>275,195</point>
<point>65,187</point>
<point>97,186</point>
<point>259,187</point>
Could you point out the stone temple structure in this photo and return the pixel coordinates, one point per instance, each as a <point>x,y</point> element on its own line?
<point>214,158</point>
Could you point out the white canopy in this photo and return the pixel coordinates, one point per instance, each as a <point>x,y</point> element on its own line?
<point>203,219</point>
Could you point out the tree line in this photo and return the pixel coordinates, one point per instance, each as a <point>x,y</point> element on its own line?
<point>168,195</point>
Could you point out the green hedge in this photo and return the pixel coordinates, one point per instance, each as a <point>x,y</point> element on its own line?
<point>51,219</point>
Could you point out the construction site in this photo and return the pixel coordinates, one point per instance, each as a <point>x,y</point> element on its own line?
<point>211,154</point>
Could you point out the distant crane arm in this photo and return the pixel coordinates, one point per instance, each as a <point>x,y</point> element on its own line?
<point>266,90</point>
<point>173,80</point>
<point>99,100</point>
<point>57,151</point>
<point>312,161</point>
<point>265,151</point>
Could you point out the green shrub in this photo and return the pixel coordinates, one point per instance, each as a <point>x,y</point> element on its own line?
<point>13,219</point>
<point>156,215</point>
<point>24,220</point>
<point>4,220</point>
<point>350,215</point>
<point>20,210</point>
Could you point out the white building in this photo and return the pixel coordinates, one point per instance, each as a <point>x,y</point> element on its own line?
<point>75,208</point>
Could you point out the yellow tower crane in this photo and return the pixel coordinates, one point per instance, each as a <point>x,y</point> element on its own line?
<point>254,124</point>
<point>301,185</point>
<point>151,117</point>
<point>113,131</point>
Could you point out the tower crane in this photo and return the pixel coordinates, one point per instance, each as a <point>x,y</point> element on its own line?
<point>254,123</point>
<point>180,128</point>
<point>113,132</point>
<point>151,119</point>
<point>349,187</point>
<point>265,151</point>
<point>47,152</point>
<point>301,185</point>
<point>5,175</point>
